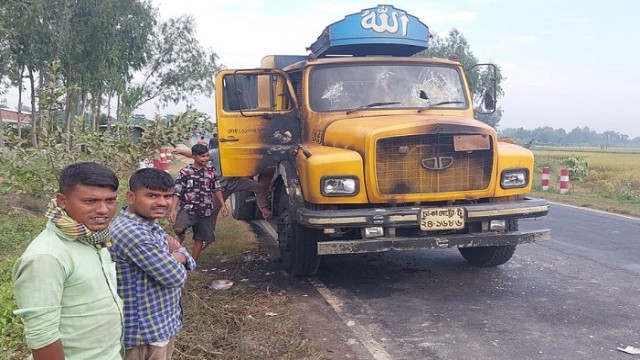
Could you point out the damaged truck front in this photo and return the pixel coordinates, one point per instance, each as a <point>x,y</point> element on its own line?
<point>366,148</point>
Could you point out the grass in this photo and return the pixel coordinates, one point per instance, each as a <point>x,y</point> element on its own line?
<point>254,319</point>
<point>251,320</point>
<point>612,183</point>
<point>18,226</point>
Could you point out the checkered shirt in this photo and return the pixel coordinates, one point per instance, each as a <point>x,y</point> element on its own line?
<point>150,280</point>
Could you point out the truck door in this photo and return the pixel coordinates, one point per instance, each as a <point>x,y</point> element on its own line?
<point>257,121</point>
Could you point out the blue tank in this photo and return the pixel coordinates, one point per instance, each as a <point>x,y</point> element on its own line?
<point>383,30</point>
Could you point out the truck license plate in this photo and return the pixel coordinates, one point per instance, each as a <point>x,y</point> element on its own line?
<point>450,218</point>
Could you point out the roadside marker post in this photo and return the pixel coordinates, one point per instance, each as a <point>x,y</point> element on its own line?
<point>564,181</point>
<point>545,178</point>
<point>162,163</point>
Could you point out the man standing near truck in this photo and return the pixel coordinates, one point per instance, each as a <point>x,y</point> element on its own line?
<point>196,187</point>
<point>65,281</point>
<point>152,268</point>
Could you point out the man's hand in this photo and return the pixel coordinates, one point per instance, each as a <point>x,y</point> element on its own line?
<point>172,216</point>
<point>173,244</point>
<point>266,213</point>
<point>181,151</point>
<point>224,211</point>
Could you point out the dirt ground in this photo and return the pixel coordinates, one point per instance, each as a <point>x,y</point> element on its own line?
<point>320,326</point>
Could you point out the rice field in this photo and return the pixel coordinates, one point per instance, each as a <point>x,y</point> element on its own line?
<point>611,181</point>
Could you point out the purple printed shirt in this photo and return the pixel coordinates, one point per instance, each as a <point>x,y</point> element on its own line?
<point>196,188</point>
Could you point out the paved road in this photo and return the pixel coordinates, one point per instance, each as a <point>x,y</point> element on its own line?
<point>574,297</point>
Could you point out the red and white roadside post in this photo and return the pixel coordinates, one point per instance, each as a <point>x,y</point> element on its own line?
<point>162,162</point>
<point>545,178</point>
<point>564,181</point>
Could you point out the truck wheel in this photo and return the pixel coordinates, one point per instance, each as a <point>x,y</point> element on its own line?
<point>489,256</point>
<point>297,244</point>
<point>241,209</point>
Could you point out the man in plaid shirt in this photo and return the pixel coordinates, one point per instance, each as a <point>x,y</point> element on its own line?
<point>151,267</point>
<point>197,187</point>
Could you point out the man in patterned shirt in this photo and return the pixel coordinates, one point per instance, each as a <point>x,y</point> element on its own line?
<point>151,267</point>
<point>195,189</point>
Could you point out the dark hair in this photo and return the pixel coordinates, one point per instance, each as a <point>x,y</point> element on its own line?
<point>87,173</point>
<point>152,179</point>
<point>199,149</point>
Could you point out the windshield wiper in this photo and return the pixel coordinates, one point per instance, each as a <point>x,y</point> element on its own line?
<point>372,105</point>
<point>438,104</point>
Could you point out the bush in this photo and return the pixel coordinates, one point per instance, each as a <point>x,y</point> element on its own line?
<point>578,167</point>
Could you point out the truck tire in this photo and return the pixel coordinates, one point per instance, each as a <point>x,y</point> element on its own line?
<point>490,256</point>
<point>297,244</point>
<point>241,209</point>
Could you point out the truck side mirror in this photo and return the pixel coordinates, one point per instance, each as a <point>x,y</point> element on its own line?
<point>488,101</point>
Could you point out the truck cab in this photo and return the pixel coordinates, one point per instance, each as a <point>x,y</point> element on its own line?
<point>366,148</point>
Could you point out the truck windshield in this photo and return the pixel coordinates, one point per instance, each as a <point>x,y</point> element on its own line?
<point>404,86</point>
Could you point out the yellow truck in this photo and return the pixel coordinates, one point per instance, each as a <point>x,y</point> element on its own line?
<point>367,148</point>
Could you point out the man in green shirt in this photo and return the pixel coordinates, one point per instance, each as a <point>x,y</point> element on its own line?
<point>65,281</point>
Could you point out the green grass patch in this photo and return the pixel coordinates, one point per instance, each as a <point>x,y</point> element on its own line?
<point>18,227</point>
<point>612,182</point>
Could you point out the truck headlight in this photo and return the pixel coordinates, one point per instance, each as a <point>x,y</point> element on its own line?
<point>514,178</point>
<point>339,186</point>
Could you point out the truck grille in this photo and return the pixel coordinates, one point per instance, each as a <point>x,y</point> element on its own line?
<point>429,164</point>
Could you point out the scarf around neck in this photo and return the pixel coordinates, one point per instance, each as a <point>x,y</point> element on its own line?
<point>75,230</point>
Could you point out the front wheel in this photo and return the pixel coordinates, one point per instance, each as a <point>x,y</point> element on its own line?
<point>490,256</point>
<point>298,244</point>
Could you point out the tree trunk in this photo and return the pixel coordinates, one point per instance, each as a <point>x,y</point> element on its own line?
<point>20,103</point>
<point>34,112</point>
<point>109,112</point>
<point>1,131</point>
<point>118,107</point>
<point>98,105</point>
<point>67,113</point>
<point>43,122</point>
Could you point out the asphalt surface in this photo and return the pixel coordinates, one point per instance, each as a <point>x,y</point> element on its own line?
<point>574,297</point>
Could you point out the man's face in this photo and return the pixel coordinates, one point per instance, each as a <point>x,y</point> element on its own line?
<point>92,206</point>
<point>201,160</point>
<point>150,204</point>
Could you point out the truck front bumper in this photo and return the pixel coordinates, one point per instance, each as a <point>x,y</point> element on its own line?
<point>408,217</point>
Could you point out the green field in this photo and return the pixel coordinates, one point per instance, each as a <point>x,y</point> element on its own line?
<point>611,181</point>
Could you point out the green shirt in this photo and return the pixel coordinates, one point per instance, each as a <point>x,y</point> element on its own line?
<point>66,289</point>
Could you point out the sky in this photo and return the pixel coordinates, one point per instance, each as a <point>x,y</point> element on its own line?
<point>566,63</point>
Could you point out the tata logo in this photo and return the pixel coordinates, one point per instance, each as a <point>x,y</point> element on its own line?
<point>437,163</point>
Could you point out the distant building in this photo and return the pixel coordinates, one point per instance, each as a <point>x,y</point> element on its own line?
<point>11,116</point>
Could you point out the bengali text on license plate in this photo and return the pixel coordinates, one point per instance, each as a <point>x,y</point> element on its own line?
<point>450,218</point>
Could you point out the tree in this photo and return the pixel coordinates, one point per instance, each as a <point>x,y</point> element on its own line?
<point>479,80</point>
<point>178,70</point>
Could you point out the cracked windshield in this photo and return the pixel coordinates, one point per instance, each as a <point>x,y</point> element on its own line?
<point>398,86</point>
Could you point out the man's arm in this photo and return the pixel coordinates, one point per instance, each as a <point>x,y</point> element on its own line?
<point>223,204</point>
<point>177,191</point>
<point>173,211</point>
<point>38,284</point>
<point>50,352</point>
<point>160,265</point>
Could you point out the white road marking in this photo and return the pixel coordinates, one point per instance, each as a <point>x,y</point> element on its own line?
<point>595,210</point>
<point>360,332</point>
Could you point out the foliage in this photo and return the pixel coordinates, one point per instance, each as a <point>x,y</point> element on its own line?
<point>98,47</point>
<point>479,78</point>
<point>35,171</point>
<point>578,167</point>
<point>17,228</point>
<point>584,136</point>
<point>612,183</point>
<point>178,68</point>
<point>11,343</point>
